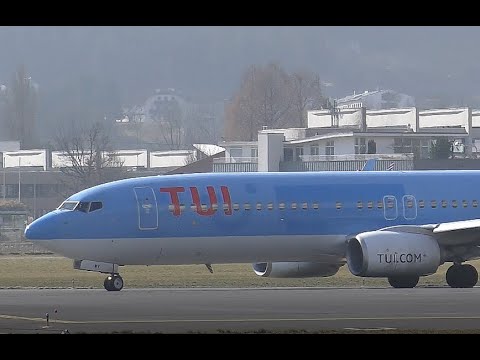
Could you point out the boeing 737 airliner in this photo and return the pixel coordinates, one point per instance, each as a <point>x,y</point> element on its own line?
<point>399,225</point>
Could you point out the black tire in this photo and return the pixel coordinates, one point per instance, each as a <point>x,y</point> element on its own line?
<point>403,282</point>
<point>117,282</point>
<point>462,276</point>
<point>107,284</point>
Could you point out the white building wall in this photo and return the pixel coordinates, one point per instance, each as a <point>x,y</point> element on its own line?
<point>25,158</point>
<point>294,134</point>
<point>132,158</point>
<point>476,118</point>
<point>323,118</point>
<point>270,151</point>
<point>60,160</point>
<point>165,159</point>
<point>245,151</point>
<point>392,117</point>
<point>445,117</point>
<point>342,145</point>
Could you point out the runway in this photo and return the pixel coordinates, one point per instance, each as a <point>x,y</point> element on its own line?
<point>237,310</point>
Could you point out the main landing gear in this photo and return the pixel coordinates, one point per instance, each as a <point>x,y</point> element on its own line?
<point>403,282</point>
<point>113,282</point>
<point>462,276</point>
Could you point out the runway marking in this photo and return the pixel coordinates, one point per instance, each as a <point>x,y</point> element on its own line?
<point>160,321</point>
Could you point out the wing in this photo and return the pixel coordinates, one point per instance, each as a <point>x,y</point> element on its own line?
<point>465,232</point>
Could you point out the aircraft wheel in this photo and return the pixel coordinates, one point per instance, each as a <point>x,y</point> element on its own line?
<point>462,276</point>
<point>117,282</point>
<point>403,281</point>
<point>107,284</point>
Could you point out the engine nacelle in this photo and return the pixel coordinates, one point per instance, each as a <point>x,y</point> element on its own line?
<point>295,269</point>
<point>385,253</point>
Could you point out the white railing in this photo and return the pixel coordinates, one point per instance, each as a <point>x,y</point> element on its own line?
<point>238,159</point>
<point>356,157</point>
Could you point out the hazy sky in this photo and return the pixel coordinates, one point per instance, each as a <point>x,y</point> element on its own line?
<point>105,66</point>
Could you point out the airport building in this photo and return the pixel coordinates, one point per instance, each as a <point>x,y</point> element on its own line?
<point>344,139</point>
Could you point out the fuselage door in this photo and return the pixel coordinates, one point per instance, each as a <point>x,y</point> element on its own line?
<point>390,207</point>
<point>409,207</point>
<point>147,208</point>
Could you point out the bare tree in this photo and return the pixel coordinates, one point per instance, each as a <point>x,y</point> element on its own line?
<point>306,95</point>
<point>88,158</point>
<point>168,115</point>
<point>201,125</point>
<point>269,96</point>
<point>243,114</point>
<point>21,109</point>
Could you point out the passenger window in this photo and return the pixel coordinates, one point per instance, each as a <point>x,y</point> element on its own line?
<point>83,206</point>
<point>464,203</point>
<point>95,205</point>
<point>246,206</point>
<point>454,203</point>
<point>270,206</point>
<point>281,206</point>
<point>380,204</point>
<point>294,206</point>
<point>338,205</point>
<point>315,206</point>
<point>474,203</point>
<point>444,203</point>
<point>304,206</point>
<point>236,207</point>
<point>433,203</point>
<point>259,206</point>
<point>421,204</point>
<point>359,205</point>
<point>370,204</point>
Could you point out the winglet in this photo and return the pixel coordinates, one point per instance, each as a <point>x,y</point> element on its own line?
<point>369,165</point>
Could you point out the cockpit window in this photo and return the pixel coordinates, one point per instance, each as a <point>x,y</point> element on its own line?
<point>96,205</point>
<point>83,206</point>
<point>68,205</point>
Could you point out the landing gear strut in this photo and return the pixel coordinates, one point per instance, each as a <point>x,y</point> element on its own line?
<point>403,281</point>
<point>462,276</point>
<point>113,282</point>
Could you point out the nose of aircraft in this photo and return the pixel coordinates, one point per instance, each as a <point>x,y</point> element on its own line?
<point>39,229</point>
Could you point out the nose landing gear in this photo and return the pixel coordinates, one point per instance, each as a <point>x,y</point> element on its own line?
<point>113,282</point>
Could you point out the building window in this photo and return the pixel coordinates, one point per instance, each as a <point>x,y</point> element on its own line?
<point>402,145</point>
<point>236,154</point>
<point>360,146</point>
<point>288,154</point>
<point>254,152</point>
<point>298,152</point>
<point>330,148</point>
<point>314,150</point>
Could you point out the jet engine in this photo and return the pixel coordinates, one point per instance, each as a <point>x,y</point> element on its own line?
<point>295,269</point>
<point>386,253</point>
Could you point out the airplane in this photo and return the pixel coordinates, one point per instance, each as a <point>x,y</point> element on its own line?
<point>398,225</point>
